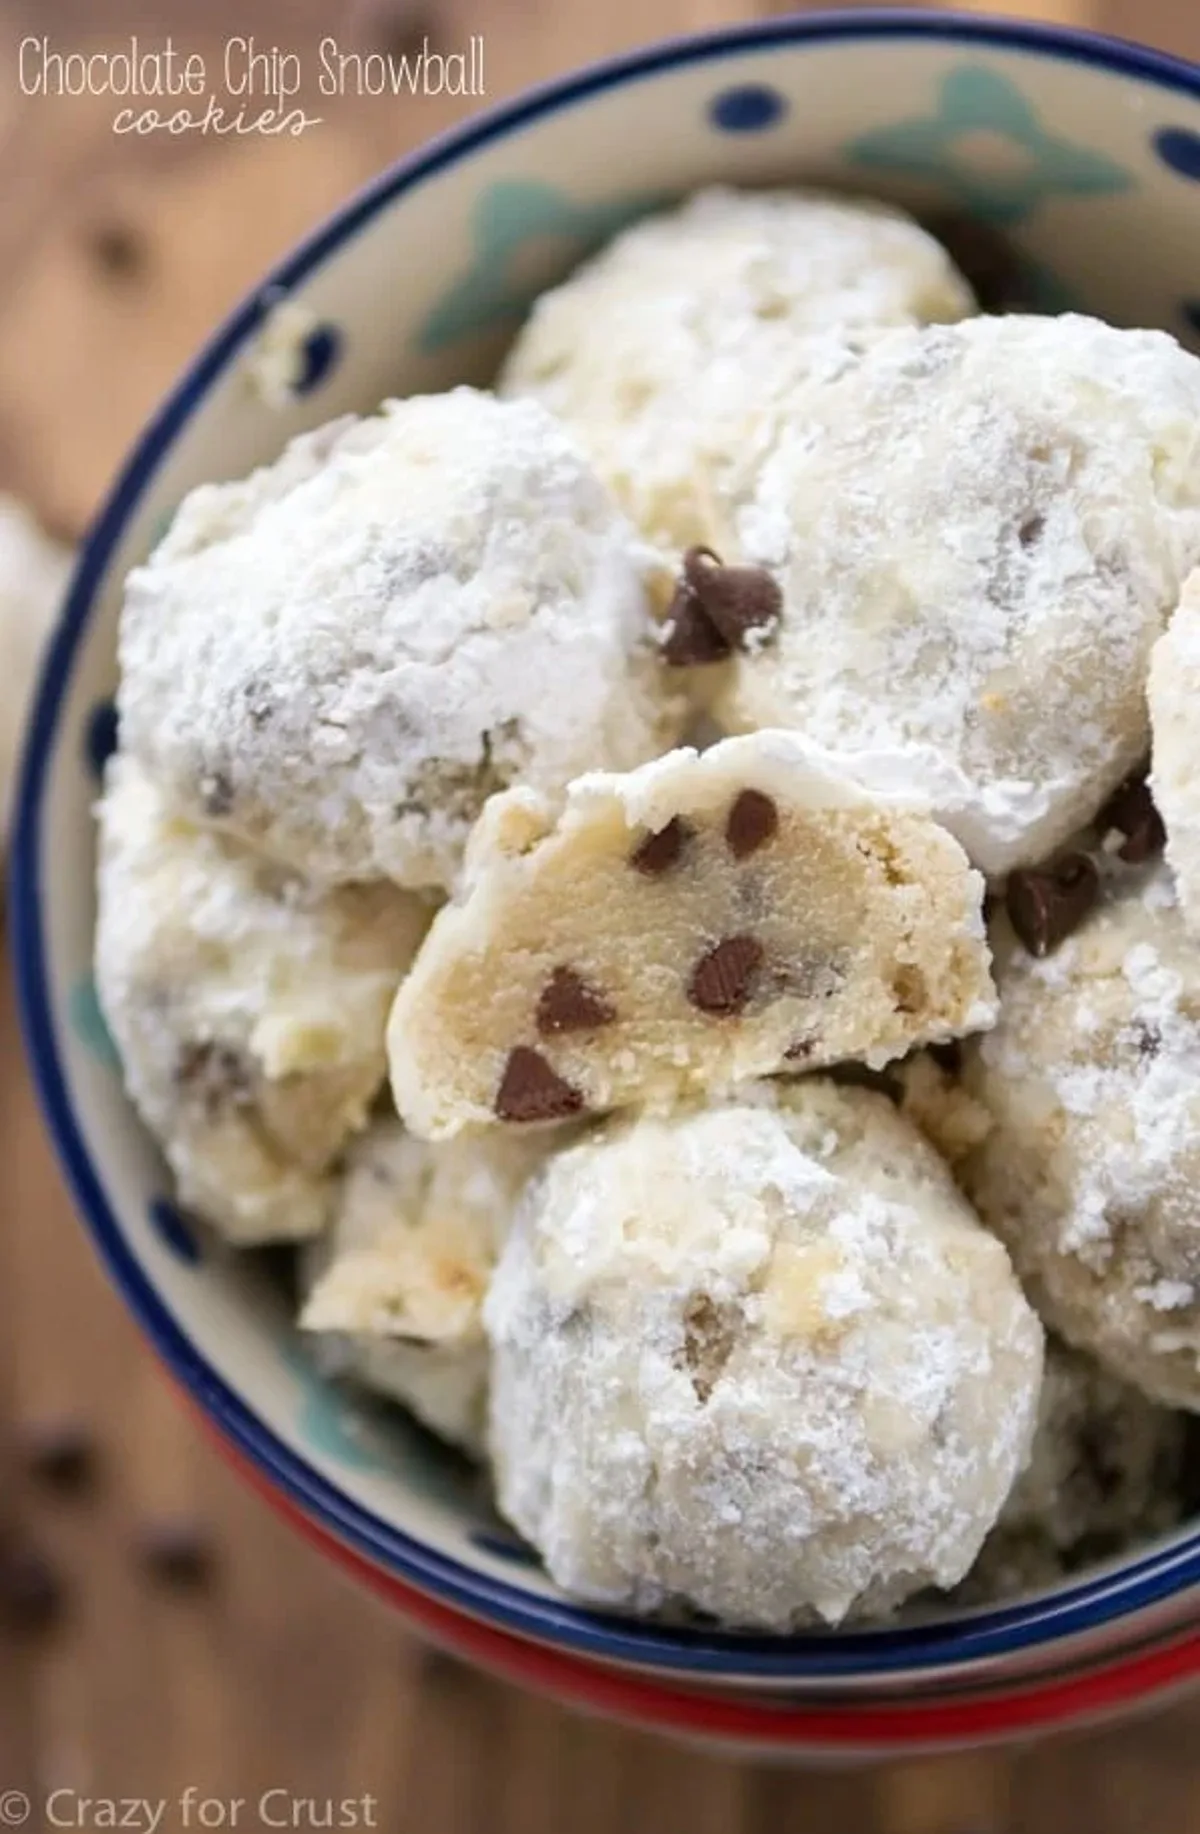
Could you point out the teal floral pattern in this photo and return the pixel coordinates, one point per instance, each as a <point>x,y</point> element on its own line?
<point>511,219</point>
<point>1025,165</point>
<point>329,1421</point>
<point>87,1023</point>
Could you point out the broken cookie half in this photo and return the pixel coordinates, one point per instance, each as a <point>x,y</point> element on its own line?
<point>680,929</point>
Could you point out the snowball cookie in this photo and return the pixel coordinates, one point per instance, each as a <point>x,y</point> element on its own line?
<point>1106,1472</point>
<point>33,578</point>
<point>979,530</point>
<point>667,352</point>
<point>1175,729</point>
<point>339,658</point>
<point>706,919</point>
<point>1091,1169</point>
<point>396,1285</point>
<point>759,1359</point>
<point>248,1009</point>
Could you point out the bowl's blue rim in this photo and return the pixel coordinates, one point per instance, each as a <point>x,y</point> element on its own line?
<point>1088,1606</point>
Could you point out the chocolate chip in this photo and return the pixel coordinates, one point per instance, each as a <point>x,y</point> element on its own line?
<point>60,1452</point>
<point>723,979</point>
<point>176,1551</point>
<point>1130,811</point>
<point>659,852</point>
<point>751,823</point>
<point>1048,904</point>
<point>737,600</point>
<point>690,639</point>
<point>31,1592</point>
<point>717,609</point>
<point>568,1004</point>
<point>800,1051</point>
<point>398,28</point>
<point>216,793</point>
<point>1031,531</point>
<point>117,249</point>
<point>530,1090</point>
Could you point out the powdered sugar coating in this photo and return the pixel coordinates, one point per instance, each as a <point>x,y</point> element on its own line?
<point>1105,1473</point>
<point>1091,1167</point>
<point>394,1289</point>
<point>340,657</point>
<point>248,1009</point>
<point>1174,696</point>
<point>669,352</point>
<point>979,530</point>
<point>759,1359</point>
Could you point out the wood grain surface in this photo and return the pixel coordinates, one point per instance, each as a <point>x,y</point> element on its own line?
<point>116,256</point>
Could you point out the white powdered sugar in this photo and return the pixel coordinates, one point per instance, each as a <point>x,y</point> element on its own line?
<point>979,530</point>
<point>1106,1472</point>
<point>342,656</point>
<point>249,1010</point>
<point>1174,695</point>
<point>394,1288</point>
<point>1090,1169</point>
<point>671,353</point>
<point>757,1359</point>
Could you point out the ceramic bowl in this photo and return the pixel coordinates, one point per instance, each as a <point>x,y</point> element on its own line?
<point>1085,153</point>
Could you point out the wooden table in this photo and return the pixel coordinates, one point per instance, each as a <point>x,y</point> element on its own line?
<point>114,261</point>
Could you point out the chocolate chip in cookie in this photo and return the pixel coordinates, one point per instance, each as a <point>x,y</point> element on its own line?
<point>1130,812</point>
<point>718,609</point>
<point>753,820</point>
<point>532,1090</point>
<point>661,850</point>
<point>568,1004</point>
<point>724,978</point>
<point>1047,904</point>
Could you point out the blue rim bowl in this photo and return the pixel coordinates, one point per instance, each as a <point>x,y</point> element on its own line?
<point>1114,1605</point>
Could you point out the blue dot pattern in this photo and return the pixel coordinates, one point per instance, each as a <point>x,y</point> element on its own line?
<point>167,1221</point>
<point>1179,149</point>
<point>751,108</point>
<point>320,351</point>
<point>100,737</point>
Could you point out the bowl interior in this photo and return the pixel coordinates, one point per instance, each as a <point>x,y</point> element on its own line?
<point>1085,155</point>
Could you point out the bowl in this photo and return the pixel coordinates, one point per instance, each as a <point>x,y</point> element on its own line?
<point>1084,153</point>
